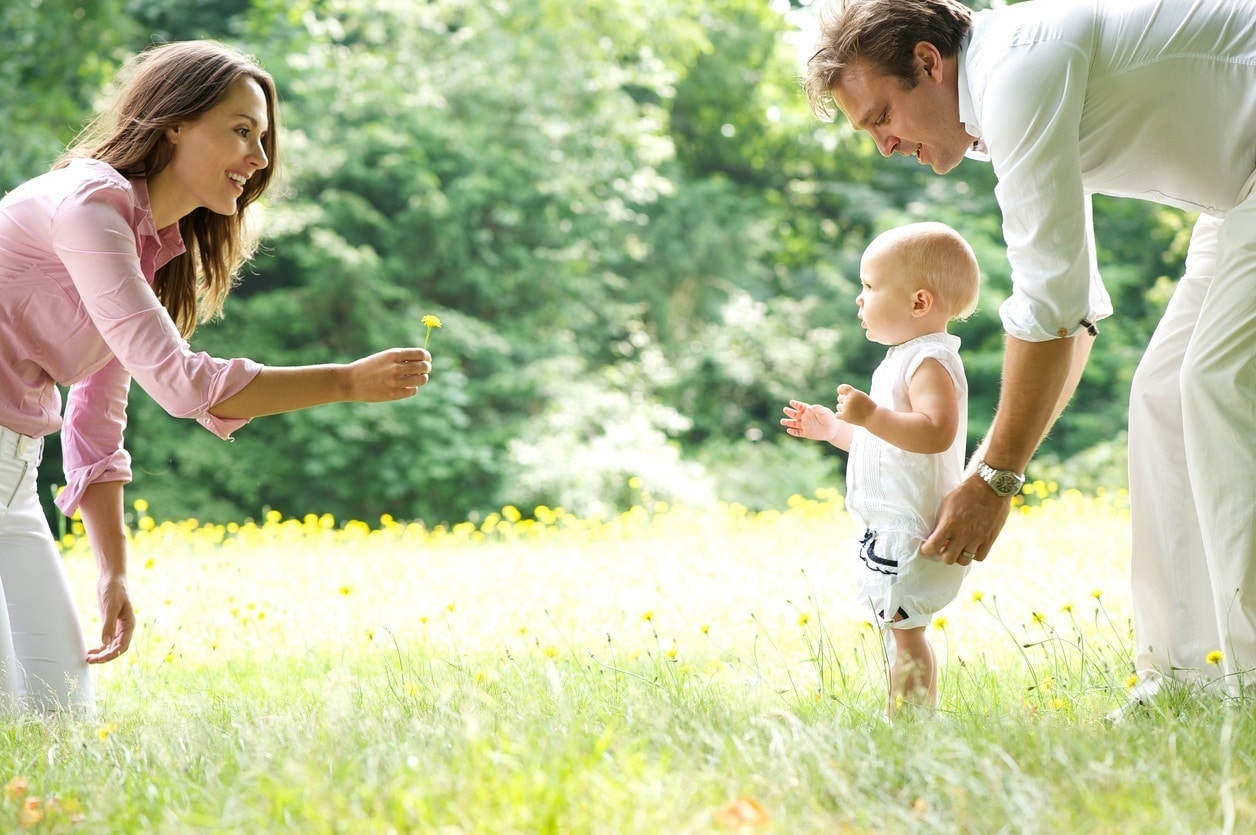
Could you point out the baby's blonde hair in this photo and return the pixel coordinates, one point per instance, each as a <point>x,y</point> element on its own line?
<point>937,258</point>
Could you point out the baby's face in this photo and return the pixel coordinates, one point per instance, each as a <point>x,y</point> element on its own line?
<point>888,297</point>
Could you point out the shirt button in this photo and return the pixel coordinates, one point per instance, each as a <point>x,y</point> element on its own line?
<point>1062,332</point>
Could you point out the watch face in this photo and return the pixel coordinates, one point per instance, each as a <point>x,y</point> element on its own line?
<point>1005,483</point>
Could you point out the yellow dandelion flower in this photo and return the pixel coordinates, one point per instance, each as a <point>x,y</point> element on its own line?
<point>1215,657</point>
<point>429,321</point>
<point>940,623</point>
<point>705,629</point>
<point>550,651</point>
<point>803,619</point>
<point>1096,594</point>
<point>1039,618</point>
<point>1131,681</point>
<point>345,591</point>
<point>672,653</point>
<point>104,731</point>
<point>648,616</point>
<point>978,596</point>
<point>1067,607</point>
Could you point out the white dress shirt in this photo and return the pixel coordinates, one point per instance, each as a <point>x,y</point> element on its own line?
<point>1153,99</point>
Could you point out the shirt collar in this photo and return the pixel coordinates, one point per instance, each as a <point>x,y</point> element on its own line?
<point>967,110</point>
<point>169,240</point>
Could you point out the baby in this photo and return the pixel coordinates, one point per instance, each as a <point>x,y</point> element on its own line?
<point>906,437</point>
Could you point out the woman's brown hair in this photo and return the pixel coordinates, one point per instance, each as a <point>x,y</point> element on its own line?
<point>162,87</point>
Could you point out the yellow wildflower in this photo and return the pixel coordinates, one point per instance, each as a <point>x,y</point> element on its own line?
<point>940,623</point>
<point>978,596</point>
<point>429,321</point>
<point>1215,657</point>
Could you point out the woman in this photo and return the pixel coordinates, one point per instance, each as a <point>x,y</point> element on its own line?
<point>107,264</point>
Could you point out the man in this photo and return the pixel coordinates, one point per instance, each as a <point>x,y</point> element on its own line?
<point>1154,99</point>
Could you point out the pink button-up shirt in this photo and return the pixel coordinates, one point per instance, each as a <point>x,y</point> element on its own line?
<point>78,252</point>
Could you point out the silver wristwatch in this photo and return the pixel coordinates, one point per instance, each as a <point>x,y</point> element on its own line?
<point>1002,482</point>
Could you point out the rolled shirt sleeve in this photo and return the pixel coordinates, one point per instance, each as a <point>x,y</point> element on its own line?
<point>1032,110</point>
<point>95,240</point>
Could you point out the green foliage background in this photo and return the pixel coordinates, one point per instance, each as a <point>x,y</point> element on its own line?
<point>640,240</point>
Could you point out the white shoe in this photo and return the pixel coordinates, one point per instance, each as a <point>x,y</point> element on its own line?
<point>1141,696</point>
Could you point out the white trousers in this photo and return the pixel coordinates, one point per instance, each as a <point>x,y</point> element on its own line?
<point>41,642</point>
<point>1192,453</point>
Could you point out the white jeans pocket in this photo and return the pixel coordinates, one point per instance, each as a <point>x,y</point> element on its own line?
<point>12,473</point>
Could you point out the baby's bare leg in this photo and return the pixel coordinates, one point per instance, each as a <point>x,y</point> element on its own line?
<point>914,676</point>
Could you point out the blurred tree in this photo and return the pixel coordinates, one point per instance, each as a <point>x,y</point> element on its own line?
<point>55,55</point>
<point>640,239</point>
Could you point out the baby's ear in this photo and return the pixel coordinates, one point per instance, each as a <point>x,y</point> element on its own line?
<point>922,301</point>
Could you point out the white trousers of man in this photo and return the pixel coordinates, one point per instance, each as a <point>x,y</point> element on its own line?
<point>42,651</point>
<point>1192,453</point>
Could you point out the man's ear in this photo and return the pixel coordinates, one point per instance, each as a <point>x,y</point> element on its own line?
<point>929,60</point>
<point>173,133</point>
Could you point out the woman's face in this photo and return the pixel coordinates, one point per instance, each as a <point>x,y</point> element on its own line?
<point>215,155</point>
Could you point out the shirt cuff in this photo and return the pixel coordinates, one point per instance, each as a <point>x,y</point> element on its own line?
<point>222,427</point>
<point>1020,321</point>
<point>116,467</point>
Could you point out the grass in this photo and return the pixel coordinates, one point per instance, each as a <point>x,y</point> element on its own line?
<point>670,671</point>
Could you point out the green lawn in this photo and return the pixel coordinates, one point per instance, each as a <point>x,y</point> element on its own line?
<point>669,672</point>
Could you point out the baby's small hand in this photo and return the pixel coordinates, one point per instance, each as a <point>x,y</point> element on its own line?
<point>853,406</point>
<point>809,420</point>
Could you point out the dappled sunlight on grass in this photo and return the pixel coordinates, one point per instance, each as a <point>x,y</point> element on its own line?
<point>669,670</point>
<point>717,594</point>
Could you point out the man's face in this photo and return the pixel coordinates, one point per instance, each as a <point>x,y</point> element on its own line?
<point>922,122</point>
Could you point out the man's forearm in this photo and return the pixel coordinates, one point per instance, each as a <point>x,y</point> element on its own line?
<point>1039,378</point>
